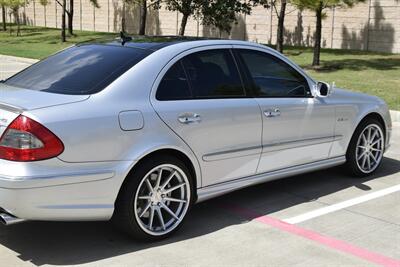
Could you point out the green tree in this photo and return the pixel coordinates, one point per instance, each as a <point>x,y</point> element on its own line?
<point>3,5</point>
<point>144,5</point>
<point>67,10</point>
<point>70,14</point>
<point>318,6</point>
<point>218,13</point>
<point>279,7</point>
<point>14,6</point>
<point>281,22</point>
<point>223,13</point>
<point>143,17</point>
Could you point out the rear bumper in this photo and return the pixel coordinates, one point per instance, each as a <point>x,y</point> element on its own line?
<point>59,191</point>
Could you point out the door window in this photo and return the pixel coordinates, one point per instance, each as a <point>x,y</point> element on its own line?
<point>174,85</point>
<point>214,74</point>
<point>272,77</point>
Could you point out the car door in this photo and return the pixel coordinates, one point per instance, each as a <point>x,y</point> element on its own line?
<point>298,128</point>
<point>201,97</point>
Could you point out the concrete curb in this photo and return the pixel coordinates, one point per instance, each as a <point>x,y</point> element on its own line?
<point>18,59</point>
<point>395,115</point>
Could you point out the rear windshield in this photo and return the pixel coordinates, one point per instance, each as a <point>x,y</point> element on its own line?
<point>79,70</point>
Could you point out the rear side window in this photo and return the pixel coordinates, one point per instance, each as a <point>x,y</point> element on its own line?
<point>85,69</point>
<point>174,85</point>
<point>213,74</point>
<point>272,77</point>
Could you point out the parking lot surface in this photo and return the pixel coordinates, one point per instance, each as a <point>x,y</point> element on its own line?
<point>10,65</point>
<point>323,218</point>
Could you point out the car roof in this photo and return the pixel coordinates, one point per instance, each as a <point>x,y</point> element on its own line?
<point>154,43</point>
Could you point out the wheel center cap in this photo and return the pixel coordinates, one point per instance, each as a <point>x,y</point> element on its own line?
<point>156,197</point>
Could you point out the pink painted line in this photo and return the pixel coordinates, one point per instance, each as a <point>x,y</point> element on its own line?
<point>316,237</point>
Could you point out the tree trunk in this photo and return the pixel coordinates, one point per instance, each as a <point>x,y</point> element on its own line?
<point>123,17</point>
<point>143,17</point>
<point>10,26</point>
<point>71,17</point>
<point>16,14</point>
<point>3,14</point>
<point>281,27</point>
<point>63,39</point>
<point>183,24</point>
<point>318,30</point>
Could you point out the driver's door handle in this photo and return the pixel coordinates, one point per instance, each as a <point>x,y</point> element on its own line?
<point>271,113</point>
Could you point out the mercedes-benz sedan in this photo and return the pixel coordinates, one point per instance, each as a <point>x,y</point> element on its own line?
<point>137,131</point>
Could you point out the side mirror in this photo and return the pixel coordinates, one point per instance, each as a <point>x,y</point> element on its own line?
<point>323,89</point>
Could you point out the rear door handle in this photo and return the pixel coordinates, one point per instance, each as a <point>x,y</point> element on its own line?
<point>189,118</point>
<point>271,113</point>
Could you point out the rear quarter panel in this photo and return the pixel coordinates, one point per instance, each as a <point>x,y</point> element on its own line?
<point>91,130</point>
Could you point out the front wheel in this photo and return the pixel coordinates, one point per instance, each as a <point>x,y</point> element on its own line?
<point>366,148</point>
<point>154,202</point>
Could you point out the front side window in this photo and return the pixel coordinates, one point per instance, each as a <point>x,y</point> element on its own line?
<point>84,69</point>
<point>272,77</point>
<point>213,74</point>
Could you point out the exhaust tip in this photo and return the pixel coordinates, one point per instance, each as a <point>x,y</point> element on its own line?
<point>8,219</point>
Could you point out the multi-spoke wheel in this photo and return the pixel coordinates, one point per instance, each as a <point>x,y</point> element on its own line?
<point>366,148</point>
<point>162,199</point>
<point>156,199</point>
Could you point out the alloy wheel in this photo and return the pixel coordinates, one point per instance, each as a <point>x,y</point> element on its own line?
<point>162,199</point>
<point>370,148</point>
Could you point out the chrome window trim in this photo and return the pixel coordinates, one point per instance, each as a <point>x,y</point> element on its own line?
<point>244,68</point>
<point>185,53</point>
<point>246,93</point>
<point>311,82</point>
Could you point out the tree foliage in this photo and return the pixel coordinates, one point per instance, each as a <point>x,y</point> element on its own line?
<point>3,14</point>
<point>218,13</point>
<point>317,4</point>
<point>14,6</point>
<point>67,10</point>
<point>222,13</point>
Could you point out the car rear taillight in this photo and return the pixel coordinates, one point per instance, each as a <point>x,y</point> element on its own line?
<point>27,140</point>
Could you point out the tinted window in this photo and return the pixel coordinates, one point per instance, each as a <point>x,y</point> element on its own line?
<point>84,69</point>
<point>213,74</point>
<point>272,77</point>
<point>174,85</point>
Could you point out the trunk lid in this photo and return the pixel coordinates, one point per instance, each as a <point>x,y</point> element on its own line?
<point>17,100</point>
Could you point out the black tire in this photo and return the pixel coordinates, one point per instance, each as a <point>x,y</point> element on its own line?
<point>124,217</point>
<point>351,155</point>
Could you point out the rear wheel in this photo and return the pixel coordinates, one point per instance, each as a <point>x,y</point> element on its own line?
<point>154,202</point>
<point>366,148</point>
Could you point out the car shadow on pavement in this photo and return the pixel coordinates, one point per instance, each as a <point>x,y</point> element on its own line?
<point>85,242</point>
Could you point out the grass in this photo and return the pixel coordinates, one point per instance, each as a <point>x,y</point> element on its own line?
<point>39,42</point>
<point>368,72</point>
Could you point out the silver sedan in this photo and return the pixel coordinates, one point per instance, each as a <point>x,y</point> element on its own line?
<point>139,130</point>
